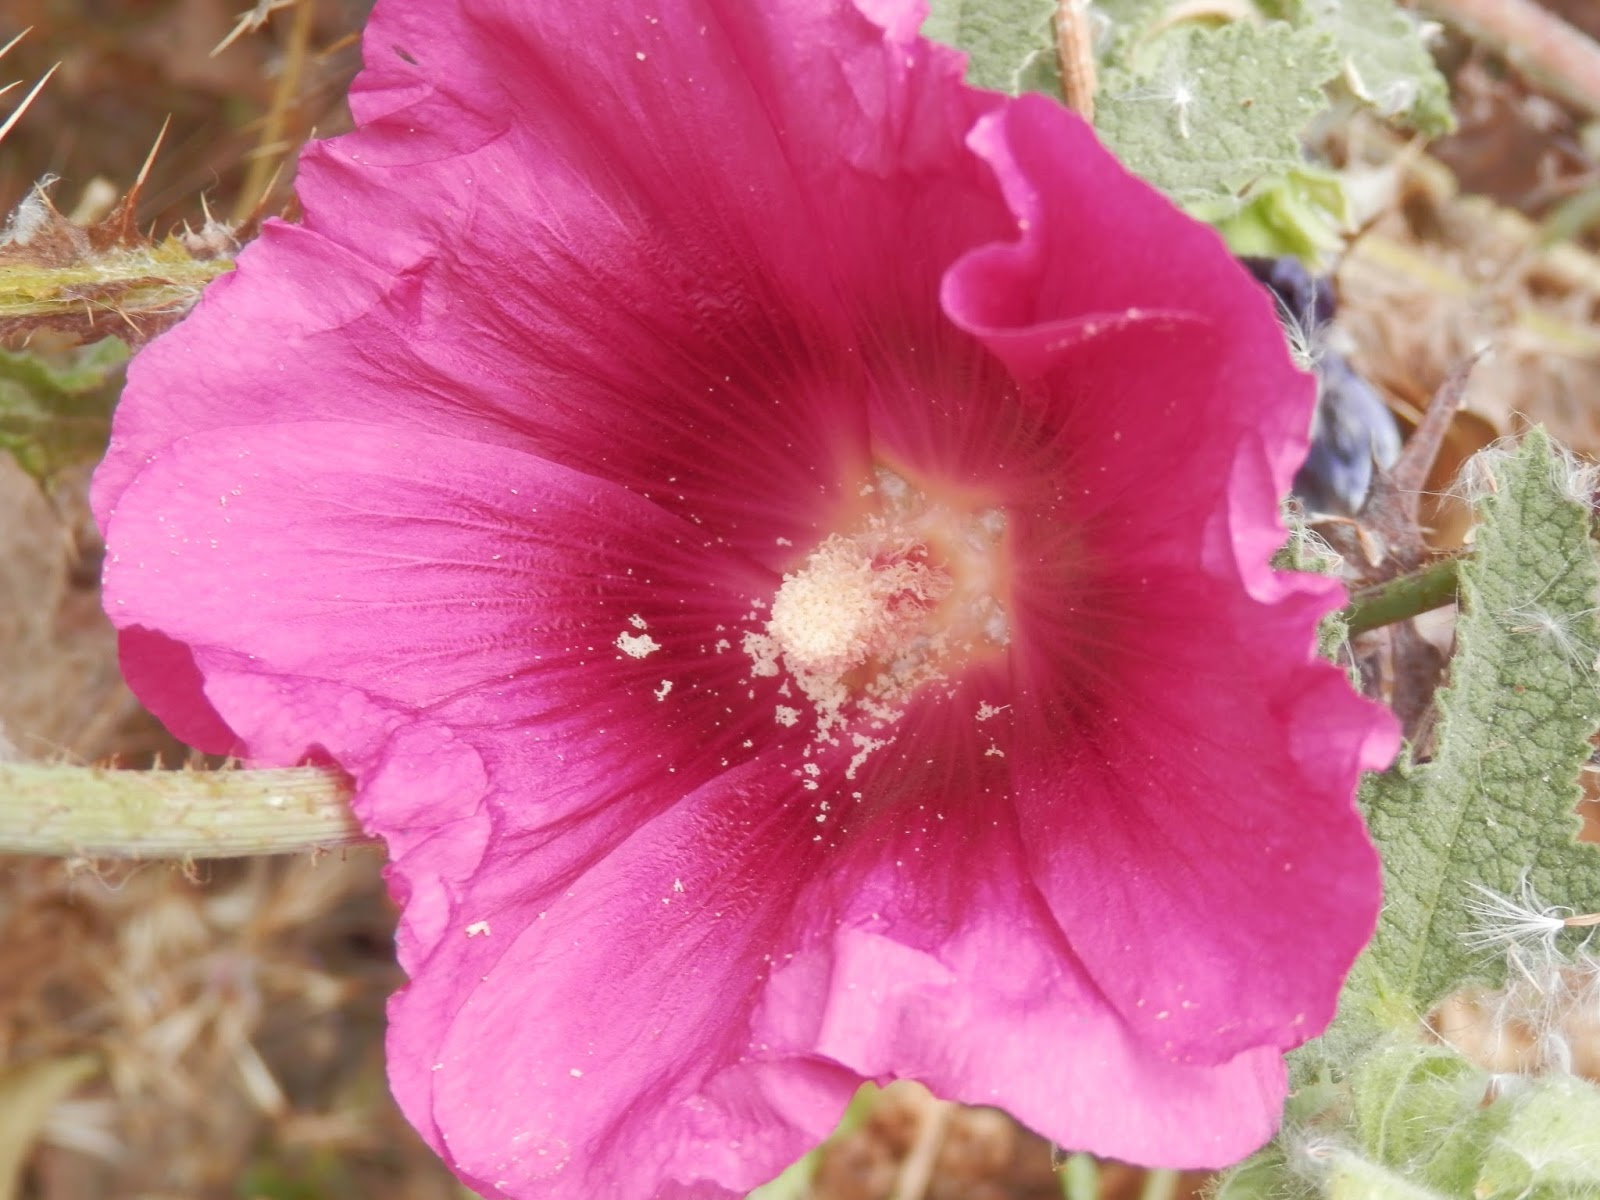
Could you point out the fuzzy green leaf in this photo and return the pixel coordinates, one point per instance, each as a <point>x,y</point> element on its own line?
<point>1419,1111</point>
<point>1208,114</point>
<point>1495,805</point>
<point>1351,1177</point>
<point>1265,1175</point>
<point>1210,103</point>
<point>1384,61</point>
<point>1000,37</point>
<point>1549,1149</point>
<point>54,412</point>
<point>1135,18</point>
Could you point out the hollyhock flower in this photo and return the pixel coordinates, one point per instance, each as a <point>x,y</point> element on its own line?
<point>779,540</point>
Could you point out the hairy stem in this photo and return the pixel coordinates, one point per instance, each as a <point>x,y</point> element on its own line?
<point>89,811</point>
<point>1402,598</point>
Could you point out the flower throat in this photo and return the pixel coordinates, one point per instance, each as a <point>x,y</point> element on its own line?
<point>905,598</point>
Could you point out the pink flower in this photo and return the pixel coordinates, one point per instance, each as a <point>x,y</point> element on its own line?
<point>780,540</point>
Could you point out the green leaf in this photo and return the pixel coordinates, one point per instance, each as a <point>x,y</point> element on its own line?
<point>1417,1121</point>
<point>1549,1149</point>
<point>1420,1111</point>
<point>1265,1175</point>
<point>54,412</point>
<point>1384,62</point>
<point>1495,805</point>
<point>1351,1177</point>
<point>1208,114</point>
<point>1209,102</point>
<point>1301,214</point>
<point>1133,17</point>
<point>1000,37</point>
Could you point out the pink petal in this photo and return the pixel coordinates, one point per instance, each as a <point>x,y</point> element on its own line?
<point>1162,686</point>
<point>924,918</point>
<point>165,677</point>
<point>584,280</point>
<point>581,1034</point>
<point>473,585</point>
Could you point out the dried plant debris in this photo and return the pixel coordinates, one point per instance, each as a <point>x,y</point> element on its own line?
<point>902,1142</point>
<point>228,1024</point>
<point>1438,277</point>
<point>125,69</point>
<point>61,696</point>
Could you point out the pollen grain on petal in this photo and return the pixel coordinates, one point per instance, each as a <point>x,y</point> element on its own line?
<point>637,645</point>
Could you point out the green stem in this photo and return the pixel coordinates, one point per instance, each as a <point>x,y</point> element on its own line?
<point>1160,1184</point>
<point>1402,598</point>
<point>1080,1177</point>
<point>68,811</point>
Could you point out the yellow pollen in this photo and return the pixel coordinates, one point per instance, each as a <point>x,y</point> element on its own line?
<point>841,608</point>
<point>873,614</point>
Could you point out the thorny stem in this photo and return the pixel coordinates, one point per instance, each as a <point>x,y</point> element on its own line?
<point>1403,597</point>
<point>16,113</point>
<point>154,281</point>
<point>65,811</point>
